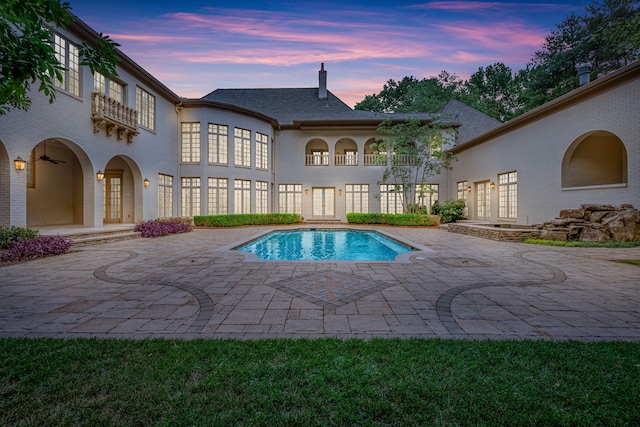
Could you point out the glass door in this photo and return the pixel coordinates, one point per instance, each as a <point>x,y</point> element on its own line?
<point>483,201</point>
<point>113,198</point>
<point>323,202</point>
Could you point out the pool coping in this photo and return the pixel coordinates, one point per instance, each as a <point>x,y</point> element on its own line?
<point>404,258</point>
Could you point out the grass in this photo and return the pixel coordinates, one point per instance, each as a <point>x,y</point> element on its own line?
<point>630,261</point>
<point>318,382</point>
<point>579,244</point>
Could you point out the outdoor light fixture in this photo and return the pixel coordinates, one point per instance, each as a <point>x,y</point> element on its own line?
<point>306,192</point>
<point>19,164</point>
<point>145,182</point>
<point>340,192</point>
<point>100,175</point>
<point>469,189</point>
<point>493,185</point>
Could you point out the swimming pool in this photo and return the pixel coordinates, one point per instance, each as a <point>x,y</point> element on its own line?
<point>325,245</point>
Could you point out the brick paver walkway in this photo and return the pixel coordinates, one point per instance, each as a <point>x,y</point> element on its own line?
<point>189,286</point>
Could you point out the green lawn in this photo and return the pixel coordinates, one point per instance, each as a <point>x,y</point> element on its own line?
<point>318,382</point>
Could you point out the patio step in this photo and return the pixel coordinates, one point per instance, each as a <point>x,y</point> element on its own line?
<point>323,221</point>
<point>96,237</point>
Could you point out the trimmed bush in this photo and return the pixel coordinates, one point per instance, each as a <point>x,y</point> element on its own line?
<point>235,220</point>
<point>393,219</point>
<point>12,234</point>
<point>162,227</point>
<point>449,211</point>
<point>37,247</point>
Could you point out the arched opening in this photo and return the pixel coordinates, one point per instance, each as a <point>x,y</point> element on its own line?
<point>316,153</point>
<point>5,197</point>
<point>346,152</point>
<point>596,158</point>
<point>372,154</point>
<point>56,190</point>
<point>122,195</point>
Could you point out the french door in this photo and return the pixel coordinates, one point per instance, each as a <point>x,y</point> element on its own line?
<point>113,198</point>
<point>323,202</point>
<point>483,201</point>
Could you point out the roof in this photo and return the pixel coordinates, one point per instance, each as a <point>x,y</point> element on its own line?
<point>474,122</point>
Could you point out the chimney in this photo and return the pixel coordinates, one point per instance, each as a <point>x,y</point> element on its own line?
<point>584,72</point>
<point>322,84</point>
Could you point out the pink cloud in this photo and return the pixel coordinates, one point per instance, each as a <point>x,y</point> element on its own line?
<point>465,6</point>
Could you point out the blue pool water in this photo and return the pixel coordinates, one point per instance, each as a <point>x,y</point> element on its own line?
<point>325,245</point>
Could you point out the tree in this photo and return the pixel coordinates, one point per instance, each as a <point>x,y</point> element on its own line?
<point>416,154</point>
<point>495,91</point>
<point>27,55</point>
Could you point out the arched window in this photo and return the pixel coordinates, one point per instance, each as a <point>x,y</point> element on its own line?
<point>317,153</point>
<point>596,158</point>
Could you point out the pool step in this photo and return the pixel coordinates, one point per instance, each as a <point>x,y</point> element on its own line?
<point>334,221</point>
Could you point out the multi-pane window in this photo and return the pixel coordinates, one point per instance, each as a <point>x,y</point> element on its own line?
<point>67,55</point>
<point>262,151</point>
<point>218,143</point>
<point>242,196</point>
<point>483,200</point>
<point>218,196</point>
<point>242,147</point>
<point>463,195</point>
<point>165,196</point>
<point>357,197</point>
<point>508,195</point>
<point>146,106</point>
<point>391,197</point>
<point>109,87</point>
<point>426,194</point>
<point>190,196</point>
<point>190,142</point>
<point>262,197</point>
<point>290,198</point>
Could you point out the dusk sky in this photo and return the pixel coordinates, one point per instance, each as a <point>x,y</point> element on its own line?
<point>196,46</point>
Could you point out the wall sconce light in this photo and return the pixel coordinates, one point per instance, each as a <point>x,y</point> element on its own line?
<point>306,192</point>
<point>145,182</point>
<point>19,164</point>
<point>340,192</point>
<point>492,185</point>
<point>469,189</point>
<point>100,176</point>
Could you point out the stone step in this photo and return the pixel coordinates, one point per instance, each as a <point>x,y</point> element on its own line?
<point>323,221</point>
<point>94,239</point>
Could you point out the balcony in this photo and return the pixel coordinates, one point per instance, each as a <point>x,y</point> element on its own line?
<point>405,160</point>
<point>375,159</point>
<point>318,159</point>
<point>350,159</point>
<point>114,117</point>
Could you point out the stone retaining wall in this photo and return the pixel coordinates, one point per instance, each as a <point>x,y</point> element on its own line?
<point>494,233</point>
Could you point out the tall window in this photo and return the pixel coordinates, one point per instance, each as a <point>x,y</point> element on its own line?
<point>146,106</point>
<point>508,195</point>
<point>262,197</point>
<point>218,196</point>
<point>165,196</point>
<point>190,142</point>
<point>290,198</point>
<point>483,200</point>
<point>426,194</point>
<point>463,194</point>
<point>190,196</point>
<point>242,196</point>
<point>67,55</point>
<point>242,147</point>
<point>262,151</point>
<point>391,196</point>
<point>109,87</point>
<point>357,197</point>
<point>218,143</point>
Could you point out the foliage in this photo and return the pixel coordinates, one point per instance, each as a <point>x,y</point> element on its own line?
<point>630,261</point>
<point>36,247</point>
<point>162,227</point>
<point>27,55</point>
<point>318,382</point>
<point>449,211</point>
<point>12,234</point>
<point>412,219</point>
<point>417,154</point>
<point>235,220</point>
<point>581,244</point>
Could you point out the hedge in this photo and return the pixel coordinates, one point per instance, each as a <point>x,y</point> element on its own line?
<point>235,220</point>
<point>393,219</point>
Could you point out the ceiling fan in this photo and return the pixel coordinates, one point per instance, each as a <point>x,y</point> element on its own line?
<point>47,158</point>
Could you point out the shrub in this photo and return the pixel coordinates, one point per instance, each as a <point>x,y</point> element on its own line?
<point>162,227</point>
<point>235,220</point>
<point>12,234</point>
<point>392,219</point>
<point>449,211</point>
<point>37,247</point>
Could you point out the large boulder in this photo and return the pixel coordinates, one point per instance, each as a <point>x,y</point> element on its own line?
<point>572,213</point>
<point>595,233</point>
<point>624,226</point>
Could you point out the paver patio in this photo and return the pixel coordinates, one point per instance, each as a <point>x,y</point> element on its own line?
<point>189,286</point>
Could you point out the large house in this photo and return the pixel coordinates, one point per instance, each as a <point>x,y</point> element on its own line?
<point>127,149</point>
